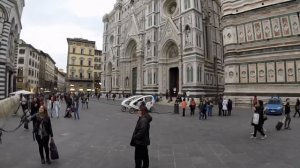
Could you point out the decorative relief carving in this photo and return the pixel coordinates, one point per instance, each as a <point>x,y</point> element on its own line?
<point>298,70</point>
<point>261,72</point>
<point>267,29</point>
<point>280,71</point>
<point>252,73</point>
<point>258,31</point>
<point>271,72</point>
<point>295,24</point>
<point>241,33</point>
<point>285,26</point>
<point>290,71</point>
<point>249,32</point>
<point>276,27</point>
<point>244,73</point>
<point>229,35</point>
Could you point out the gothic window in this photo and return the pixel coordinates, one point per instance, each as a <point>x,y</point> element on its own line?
<point>149,77</point>
<point>155,77</point>
<point>81,62</point>
<point>187,4</point>
<point>197,4</point>
<point>189,72</point>
<point>74,49</point>
<point>1,13</point>
<point>127,82</point>
<point>82,51</point>
<point>199,73</point>
<point>150,21</point>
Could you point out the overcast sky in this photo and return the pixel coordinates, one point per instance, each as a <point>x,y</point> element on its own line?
<point>48,23</point>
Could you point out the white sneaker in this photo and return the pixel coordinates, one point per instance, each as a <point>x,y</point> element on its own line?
<point>264,137</point>
<point>253,137</point>
<point>252,133</point>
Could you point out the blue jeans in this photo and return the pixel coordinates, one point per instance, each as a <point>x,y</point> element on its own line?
<point>209,111</point>
<point>76,113</point>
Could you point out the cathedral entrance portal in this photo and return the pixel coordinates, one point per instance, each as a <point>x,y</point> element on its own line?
<point>131,54</point>
<point>134,80</point>
<point>174,81</point>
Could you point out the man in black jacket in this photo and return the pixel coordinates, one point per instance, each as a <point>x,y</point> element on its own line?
<point>140,138</point>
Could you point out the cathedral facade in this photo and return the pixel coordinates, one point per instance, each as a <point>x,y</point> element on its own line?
<point>261,48</point>
<point>155,46</point>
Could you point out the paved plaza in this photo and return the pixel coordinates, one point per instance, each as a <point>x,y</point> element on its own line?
<point>101,139</point>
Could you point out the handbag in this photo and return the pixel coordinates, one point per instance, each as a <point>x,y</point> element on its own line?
<point>255,118</point>
<point>53,150</point>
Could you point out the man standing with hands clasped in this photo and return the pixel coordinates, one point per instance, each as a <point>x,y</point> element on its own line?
<point>140,138</point>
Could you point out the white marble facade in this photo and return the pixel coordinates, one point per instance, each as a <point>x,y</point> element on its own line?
<point>150,46</point>
<point>264,57</point>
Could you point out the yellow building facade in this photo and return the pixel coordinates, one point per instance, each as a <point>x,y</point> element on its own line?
<point>80,65</point>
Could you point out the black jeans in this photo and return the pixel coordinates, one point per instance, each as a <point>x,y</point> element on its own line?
<point>183,112</point>
<point>220,111</point>
<point>287,121</point>
<point>192,111</point>
<point>259,129</point>
<point>43,145</point>
<point>141,157</point>
<point>229,112</point>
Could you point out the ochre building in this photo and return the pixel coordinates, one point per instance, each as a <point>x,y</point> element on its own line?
<point>80,65</point>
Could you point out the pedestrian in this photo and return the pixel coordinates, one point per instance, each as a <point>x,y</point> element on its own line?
<point>220,105</point>
<point>287,110</point>
<point>209,107</point>
<point>106,96</point>
<point>76,106</point>
<point>192,106</point>
<point>167,94</point>
<point>140,138</point>
<point>114,96</point>
<point>83,100</point>
<point>87,102</point>
<point>183,105</point>
<point>229,107</point>
<point>297,108</point>
<point>42,133</point>
<point>52,105</point>
<point>35,105</point>
<point>224,107</point>
<point>57,106</point>
<point>258,124</point>
<point>204,108</point>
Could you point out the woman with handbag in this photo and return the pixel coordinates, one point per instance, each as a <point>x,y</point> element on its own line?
<point>140,138</point>
<point>258,120</point>
<point>43,132</point>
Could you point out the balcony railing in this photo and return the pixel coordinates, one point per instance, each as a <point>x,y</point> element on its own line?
<point>81,78</point>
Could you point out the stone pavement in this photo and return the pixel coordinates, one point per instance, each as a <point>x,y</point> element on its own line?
<point>101,139</point>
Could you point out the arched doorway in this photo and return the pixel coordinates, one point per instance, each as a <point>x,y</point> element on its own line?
<point>171,53</point>
<point>131,53</point>
<point>109,77</point>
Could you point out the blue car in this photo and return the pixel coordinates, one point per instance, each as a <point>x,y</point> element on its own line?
<point>274,106</point>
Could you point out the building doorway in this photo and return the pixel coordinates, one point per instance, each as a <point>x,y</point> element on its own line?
<point>134,80</point>
<point>174,81</point>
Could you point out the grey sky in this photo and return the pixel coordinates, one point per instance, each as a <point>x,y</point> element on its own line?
<point>47,24</point>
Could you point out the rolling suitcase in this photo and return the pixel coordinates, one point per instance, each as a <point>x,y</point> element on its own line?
<point>279,125</point>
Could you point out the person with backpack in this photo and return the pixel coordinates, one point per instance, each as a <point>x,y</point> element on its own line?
<point>43,132</point>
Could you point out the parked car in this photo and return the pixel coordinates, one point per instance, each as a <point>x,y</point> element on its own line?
<point>274,106</point>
